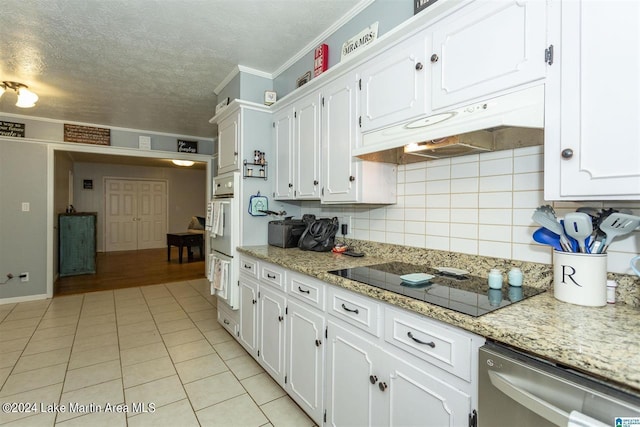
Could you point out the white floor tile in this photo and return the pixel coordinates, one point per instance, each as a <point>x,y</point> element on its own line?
<point>45,395</point>
<point>212,390</point>
<point>240,411</point>
<point>201,367</point>
<point>283,412</point>
<point>262,388</point>
<point>159,392</point>
<point>80,359</point>
<point>143,353</point>
<point>175,414</point>
<point>98,394</point>
<point>91,375</point>
<point>147,371</point>
<point>30,380</point>
<point>191,350</point>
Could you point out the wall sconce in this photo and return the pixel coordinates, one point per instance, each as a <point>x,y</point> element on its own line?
<point>26,98</point>
<point>182,162</point>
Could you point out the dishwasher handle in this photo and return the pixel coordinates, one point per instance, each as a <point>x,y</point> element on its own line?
<point>530,401</point>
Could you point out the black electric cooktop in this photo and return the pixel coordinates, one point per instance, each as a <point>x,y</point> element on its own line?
<point>463,293</point>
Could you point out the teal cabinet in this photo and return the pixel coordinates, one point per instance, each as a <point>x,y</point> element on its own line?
<point>77,243</point>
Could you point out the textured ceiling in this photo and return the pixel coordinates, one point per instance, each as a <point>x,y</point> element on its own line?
<point>148,64</point>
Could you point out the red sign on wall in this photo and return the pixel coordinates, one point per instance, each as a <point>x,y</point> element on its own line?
<point>320,60</point>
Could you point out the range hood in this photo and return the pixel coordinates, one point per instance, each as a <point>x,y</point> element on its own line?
<point>509,121</point>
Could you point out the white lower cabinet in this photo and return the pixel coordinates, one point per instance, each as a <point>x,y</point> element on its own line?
<point>353,365</point>
<point>271,324</point>
<point>305,358</point>
<point>360,362</point>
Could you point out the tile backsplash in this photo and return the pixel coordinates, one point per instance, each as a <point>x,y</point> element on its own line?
<point>477,204</point>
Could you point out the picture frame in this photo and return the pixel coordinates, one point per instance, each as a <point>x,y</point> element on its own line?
<point>304,79</point>
<point>270,97</point>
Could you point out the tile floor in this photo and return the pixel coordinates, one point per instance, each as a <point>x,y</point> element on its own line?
<point>157,346</point>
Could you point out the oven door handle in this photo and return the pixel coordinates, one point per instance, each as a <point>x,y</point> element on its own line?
<point>530,401</point>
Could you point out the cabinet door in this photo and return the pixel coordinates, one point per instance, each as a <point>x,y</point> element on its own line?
<point>283,144</point>
<point>339,136</point>
<point>272,333</point>
<point>487,47</point>
<point>351,378</point>
<point>305,349</point>
<point>419,399</point>
<point>307,147</point>
<point>592,151</point>
<point>248,332</point>
<point>228,144</point>
<point>393,85</point>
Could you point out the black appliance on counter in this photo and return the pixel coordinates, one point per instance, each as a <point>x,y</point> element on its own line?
<point>459,292</point>
<point>286,233</point>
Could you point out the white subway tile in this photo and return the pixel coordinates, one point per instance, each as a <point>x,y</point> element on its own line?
<point>523,235</point>
<point>465,170</point>
<point>494,249</point>
<point>495,216</point>
<point>400,191</point>
<point>493,155</point>
<point>395,213</point>
<point>496,167</point>
<point>532,253</point>
<point>528,181</point>
<point>438,173</point>
<point>394,238</point>
<point>468,200</point>
<point>361,224</point>
<point>465,246</point>
<point>394,226</point>
<point>439,215</point>
<point>526,164</point>
<point>361,234</point>
<point>437,242</point>
<point>411,214</point>
<point>495,233</point>
<point>414,227</point>
<point>415,240</point>
<point>415,175</point>
<point>465,185</point>
<point>414,188</point>
<point>417,165</point>
<point>438,201</point>
<point>378,213</point>
<point>377,236</point>
<point>377,224</point>
<point>496,183</point>
<point>465,231</point>
<point>436,163</point>
<point>495,200</point>
<point>528,199</point>
<point>437,229</point>
<point>415,201</point>
<point>465,159</point>
<point>439,187</point>
<point>527,151</point>
<point>522,217</point>
<point>468,216</point>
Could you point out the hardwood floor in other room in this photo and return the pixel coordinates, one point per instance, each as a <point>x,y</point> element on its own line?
<point>117,270</point>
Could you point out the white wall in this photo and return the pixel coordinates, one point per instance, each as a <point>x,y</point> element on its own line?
<point>477,204</point>
<point>186,191</point>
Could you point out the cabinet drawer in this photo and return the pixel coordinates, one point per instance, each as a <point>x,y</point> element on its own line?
<point>361,312</point>
<point>272,275</point>
<point>306,289</point>
<point>248,266</point>
<point>437,344</point>
<point>228,320</point>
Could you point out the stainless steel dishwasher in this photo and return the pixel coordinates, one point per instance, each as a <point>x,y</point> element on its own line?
<point>518,390</point>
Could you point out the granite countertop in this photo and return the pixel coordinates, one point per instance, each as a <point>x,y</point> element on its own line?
<point>601,341</point>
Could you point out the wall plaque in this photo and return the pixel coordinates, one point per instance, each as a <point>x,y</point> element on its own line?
<point>420,5</point>
<point>87,134</point>
<point>12,129</point>
<point>187,146</point>
<point>362,39</point>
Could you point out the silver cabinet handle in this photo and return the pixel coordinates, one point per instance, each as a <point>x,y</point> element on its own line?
<point>271,276</point>
<point>351,310</point>
<point>226,322</point>
<point>430,344</point>
<point>304,291</point>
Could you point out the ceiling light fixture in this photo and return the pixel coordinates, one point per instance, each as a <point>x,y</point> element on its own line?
<point>182,162</point>
<point>26,98</point>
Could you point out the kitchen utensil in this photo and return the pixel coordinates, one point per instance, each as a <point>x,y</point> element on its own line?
<point>634,260</point>
<point>546,217</point>
<point>547,237</point>
<point>417,278</point>
<point>615,225</point>
<point>578,225</point>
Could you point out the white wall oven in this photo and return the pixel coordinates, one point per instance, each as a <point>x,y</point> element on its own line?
<point>223,234</point>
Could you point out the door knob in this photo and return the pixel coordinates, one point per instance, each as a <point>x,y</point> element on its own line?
<point>352,178</point>
<point>567,153</point>
<point>382,386</point>
<point>434,58</point>
<point>373,379</point>
<point>419,66</point>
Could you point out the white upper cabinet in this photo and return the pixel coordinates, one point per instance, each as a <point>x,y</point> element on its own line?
<point>283,145</point>
<point>228,143</point>
<point>307,147</point>
<point>346,178</point>
<point>394,85</point>
<point>487,47</point>
<point>592,132</point>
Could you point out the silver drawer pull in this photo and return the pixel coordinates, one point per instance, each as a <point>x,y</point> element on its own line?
<point>304,291</point>
<point>344,307</point>
<point>271,276</point>
<point>430,344</point>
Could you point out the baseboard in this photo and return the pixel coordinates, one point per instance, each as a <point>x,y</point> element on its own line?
<point>26,298</point>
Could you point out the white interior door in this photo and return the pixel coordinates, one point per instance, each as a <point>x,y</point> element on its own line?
<point>135,214</point>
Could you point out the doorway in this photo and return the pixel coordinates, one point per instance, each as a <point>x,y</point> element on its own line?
<point>135,214</point>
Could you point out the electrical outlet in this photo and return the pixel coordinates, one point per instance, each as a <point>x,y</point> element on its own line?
<point>24,277</point>
<point>26,207</point>
<point>346,220</point>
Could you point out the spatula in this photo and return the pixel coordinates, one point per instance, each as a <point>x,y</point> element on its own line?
<point>617,224</point>
<point>578,225</point>
<point>548,220</point>
<point>546,237</point>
